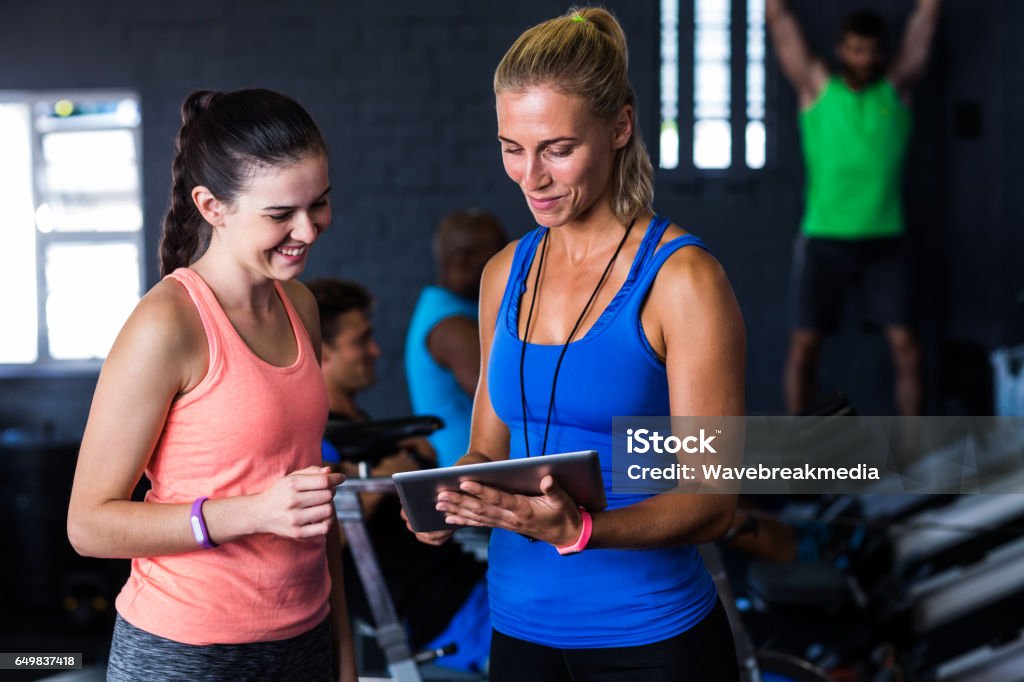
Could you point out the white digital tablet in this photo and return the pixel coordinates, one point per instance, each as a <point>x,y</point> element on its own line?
<point>577,473</point>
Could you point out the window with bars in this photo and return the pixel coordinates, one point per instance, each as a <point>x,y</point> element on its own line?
<point>70,184</point>
<point>724,90</point>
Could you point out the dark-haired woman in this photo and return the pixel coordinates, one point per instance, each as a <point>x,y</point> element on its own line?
<point>213,390</point>
<point>605,310</point>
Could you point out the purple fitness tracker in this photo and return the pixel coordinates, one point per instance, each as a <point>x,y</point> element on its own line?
<point>199,524</point>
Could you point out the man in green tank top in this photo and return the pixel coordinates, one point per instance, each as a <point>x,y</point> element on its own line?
<point>855,126</point>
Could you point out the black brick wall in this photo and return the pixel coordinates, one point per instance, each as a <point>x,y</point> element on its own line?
<point>402,92</point>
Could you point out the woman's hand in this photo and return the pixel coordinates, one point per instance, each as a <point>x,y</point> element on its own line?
<point>298,505</point>
<point>439,537</point>
<point>436,537</point>
<point>551,517</point>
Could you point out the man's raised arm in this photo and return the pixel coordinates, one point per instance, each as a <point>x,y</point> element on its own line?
<point>916,48</point>
<point>805,71</point>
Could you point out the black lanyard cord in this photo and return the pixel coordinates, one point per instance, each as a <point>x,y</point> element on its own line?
<point>565,346</point>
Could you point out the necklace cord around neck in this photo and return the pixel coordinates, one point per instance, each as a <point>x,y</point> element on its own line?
<point>565,346</point>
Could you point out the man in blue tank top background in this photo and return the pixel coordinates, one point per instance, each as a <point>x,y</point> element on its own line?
<point>442,348</point>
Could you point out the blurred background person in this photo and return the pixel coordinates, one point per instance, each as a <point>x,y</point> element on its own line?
<point>442,348</point>
<point>855,126</point>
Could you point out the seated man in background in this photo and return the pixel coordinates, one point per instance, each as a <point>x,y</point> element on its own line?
<point>442,349</point>
<point>439,592</point>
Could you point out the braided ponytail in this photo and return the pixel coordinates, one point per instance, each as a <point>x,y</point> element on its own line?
<point>183,225</point>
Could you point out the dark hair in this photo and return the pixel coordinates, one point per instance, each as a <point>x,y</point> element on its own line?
<point>864,23</point>
<point>224,139</point>
<point>334,298</point>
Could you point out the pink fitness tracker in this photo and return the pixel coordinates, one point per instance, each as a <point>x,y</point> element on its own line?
<point>199,524</point>
<point>583,539</point>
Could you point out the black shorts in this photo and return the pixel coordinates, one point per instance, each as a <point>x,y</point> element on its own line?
<point>705,652</point>
<point>828,271</point>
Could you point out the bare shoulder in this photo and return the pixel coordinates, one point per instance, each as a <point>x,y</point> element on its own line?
<point>492,285</point>
<point>687,265</point>
<point>500,264</point>
<point>305,305</point>
<point>692,307</point>
<point>302,299</point>
<point>495,275</point>
<point>673,231</point>
<point>163,335</point>
<point>818,76</point>
<point>687,274</point>
<point>166,317</point>
<point>692,266</point>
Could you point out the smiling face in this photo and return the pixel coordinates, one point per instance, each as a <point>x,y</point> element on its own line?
<point>559,153</point>
<point>350,358</point>
<point>273,222</point>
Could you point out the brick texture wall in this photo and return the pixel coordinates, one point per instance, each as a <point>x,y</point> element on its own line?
<point>402,92</point>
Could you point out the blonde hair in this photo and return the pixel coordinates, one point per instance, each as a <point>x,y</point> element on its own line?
<point>583,53</point>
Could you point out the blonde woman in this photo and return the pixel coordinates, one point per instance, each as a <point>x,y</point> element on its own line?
<point>605,309</point>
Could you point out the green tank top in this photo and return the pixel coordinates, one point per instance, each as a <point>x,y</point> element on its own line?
<point>854,146</point>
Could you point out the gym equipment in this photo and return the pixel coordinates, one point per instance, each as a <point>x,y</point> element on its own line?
<point>967,607</point>
<point>755,666</point>
<point>363,443</point>
<point>1003,663</point>
<point>48,576</point>
<point>366,443</point>
<point>957,533</point>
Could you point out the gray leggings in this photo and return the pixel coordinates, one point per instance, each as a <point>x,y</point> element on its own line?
<point>138,655</point>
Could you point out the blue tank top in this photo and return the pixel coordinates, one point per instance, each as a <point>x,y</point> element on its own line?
<point>433,388</point>
<point>600,597</point>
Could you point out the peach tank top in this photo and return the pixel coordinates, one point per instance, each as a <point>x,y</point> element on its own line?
<point>244,426</point>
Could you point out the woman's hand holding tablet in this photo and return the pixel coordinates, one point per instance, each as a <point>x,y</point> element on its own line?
<point>505,494</point>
